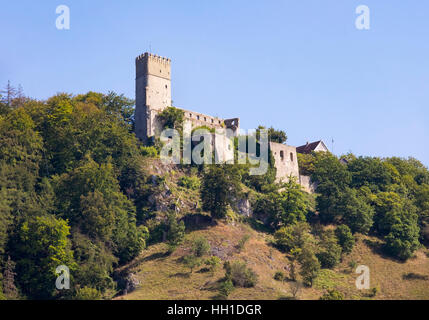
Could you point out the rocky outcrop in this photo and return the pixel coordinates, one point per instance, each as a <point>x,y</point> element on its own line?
<point>244,207</point>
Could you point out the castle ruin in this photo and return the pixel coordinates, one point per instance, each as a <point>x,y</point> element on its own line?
<point>153,95</point>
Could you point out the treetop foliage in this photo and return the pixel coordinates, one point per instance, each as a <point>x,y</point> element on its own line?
<point>71,182</point>
<point>387,197</point>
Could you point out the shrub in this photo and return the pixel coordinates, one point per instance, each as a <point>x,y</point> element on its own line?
<point>212,263</point>
<point>149,151</point>
<point>242,242</point>
<point>373,292</point>
<point>353,264</point>
<point>2,296</point>
<point>414,276</point>
<point>295,287</point>
<point>191,262</point>
<point>200,247</point>
<point>226,288</point>
<point>332,295</point>
<point>279,276</point>
<point>330,253</point>
<point>240,275</point>
<point>192,182</point>
<point>345,238</point>
<point>87,293</point>
<point>293,236</point>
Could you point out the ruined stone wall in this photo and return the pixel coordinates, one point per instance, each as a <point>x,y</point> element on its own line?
<point>199,119</point>
<point>307,184</point>
<point>286,161</point>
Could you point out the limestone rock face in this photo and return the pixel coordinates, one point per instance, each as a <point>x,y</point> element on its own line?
<point>244,207</point>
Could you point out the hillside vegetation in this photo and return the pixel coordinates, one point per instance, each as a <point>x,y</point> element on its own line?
<point>162,276</point>
<point>78,189</point>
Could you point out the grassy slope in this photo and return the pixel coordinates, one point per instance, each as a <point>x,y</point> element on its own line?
<point>164,277</point>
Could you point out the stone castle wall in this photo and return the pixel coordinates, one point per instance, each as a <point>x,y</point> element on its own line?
<point>307,184</point>
<point>286,161</point>
<point>199,119</point>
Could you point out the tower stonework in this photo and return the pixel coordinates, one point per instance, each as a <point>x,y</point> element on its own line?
<point>153,93</point>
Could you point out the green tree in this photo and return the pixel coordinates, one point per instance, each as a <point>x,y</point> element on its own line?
<point>332,179</point>
<point>293,237</point>
<point>200,247</point>
<point>5,219</point>
<point>94,263</point>
<point>293,202</point>
<point>329,254</point>
<point>128,238</point>
<point>97,219</point>
<point>357,212</point>
<point>410,167</point>
<point>388,206</point>
<point>176,232</point>
<point>274,135</point>
<point>286,207</point>
<point>345,238</point>
<point>40,246</point>
<point>120,106</point>
<point>371,172</point>
<point>263,182</point>
<point>220,189</point>
<point>9,288</point>
<point>21,150</point>
<point>403,239</point>
<point>422,203</point>
<point>171,117</point>
<point>310,266</point>
<point>213,263</point>
<point>191,262</point>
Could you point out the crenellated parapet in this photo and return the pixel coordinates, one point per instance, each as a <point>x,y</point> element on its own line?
<point>152,64</point>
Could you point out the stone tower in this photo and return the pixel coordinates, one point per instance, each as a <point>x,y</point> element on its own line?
<point>153,93</point>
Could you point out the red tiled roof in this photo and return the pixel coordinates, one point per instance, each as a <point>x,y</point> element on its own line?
<point>308,148</point>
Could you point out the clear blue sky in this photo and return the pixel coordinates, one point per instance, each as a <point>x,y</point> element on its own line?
<point>300,66</point>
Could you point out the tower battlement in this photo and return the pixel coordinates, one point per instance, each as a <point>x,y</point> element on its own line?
<point>153,57</point>
<point>152,64</point>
